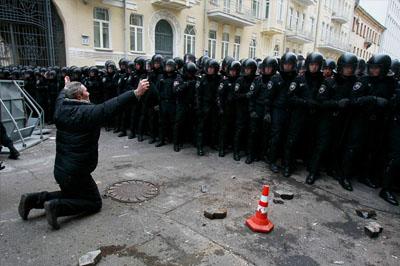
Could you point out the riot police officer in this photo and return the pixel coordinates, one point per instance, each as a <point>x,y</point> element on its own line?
<point>226,108</point>
<point>329,68</point>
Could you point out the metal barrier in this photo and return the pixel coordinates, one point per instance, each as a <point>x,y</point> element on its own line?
<point>20,113</point>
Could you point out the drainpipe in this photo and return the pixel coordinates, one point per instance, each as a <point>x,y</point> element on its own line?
<point>317,25</point>
<point>125,39</point>
<point>204,28</point>
<point>284,26</point>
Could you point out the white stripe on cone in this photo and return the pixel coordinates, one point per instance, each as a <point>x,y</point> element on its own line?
<point>262,209</point>
<point>264,198</point>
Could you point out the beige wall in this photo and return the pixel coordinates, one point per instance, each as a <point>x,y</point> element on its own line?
<point>270,32</point>
<point>365,30</point>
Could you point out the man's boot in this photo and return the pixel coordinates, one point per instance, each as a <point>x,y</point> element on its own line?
<point>14,154</point>
<point>287,171</point>
<point>274,168</point>
<point>51,214</point>
<point>27,203</point>
<point>310,180</point>
<point>236,155</point>
<point>368,182</point>
<point>200,151</point>
<point>345,183</point>
<point>249,159</point>
<point>152,141</point>
<point>221,152</point>
<point>389,197</point>
<point>131,134</point>
<point>140,138</point>
<point>122,134</point>
<point>176,148</point>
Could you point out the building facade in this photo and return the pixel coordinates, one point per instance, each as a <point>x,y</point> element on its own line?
<point>98,30</point>
<point>386,12</point>
<point>366,34</point>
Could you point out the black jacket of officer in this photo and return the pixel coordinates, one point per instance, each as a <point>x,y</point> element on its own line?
<point>94,85</point>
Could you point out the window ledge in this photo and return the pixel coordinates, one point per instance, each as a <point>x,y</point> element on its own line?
<point>103,49</point>
<point>137,52</point>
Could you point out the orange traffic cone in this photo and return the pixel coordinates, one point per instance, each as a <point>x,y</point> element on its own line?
<point>259,222</point>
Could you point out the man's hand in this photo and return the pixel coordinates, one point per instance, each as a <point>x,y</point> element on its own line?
<point>142,87</point>
<point>67,80</point>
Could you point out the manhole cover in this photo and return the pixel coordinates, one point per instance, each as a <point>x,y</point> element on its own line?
<point>132,191</point>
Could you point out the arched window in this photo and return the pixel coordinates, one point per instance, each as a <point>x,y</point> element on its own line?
<point>190,40</point>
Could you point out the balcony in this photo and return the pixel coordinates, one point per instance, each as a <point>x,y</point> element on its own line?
<point>272,28</point>
<point>305,2</point>
<point>300,36</point>
<point>340,17</point>
<point>173,4</point>
<point>230,13</point>
<point>334,46</point>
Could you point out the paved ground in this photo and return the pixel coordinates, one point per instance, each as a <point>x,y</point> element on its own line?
<point>318,227</point>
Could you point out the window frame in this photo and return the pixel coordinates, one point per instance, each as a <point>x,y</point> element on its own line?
<point>136,27</point>
<point>224,45</point>
<point>191,39</point>
<point>212,44</point>
<point>101,22</point>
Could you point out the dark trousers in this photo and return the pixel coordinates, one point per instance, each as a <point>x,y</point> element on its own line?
<point>78,194</point>
<point>296,123</point>
<point>166,119</point>
<point>258,137</point>
<point>321,142</point>
<point>4,139</point>
<point>180,119</point>
<point>207,126</point>
<point>278,128</point>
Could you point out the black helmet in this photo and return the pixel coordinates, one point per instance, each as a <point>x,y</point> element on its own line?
<point>289,58</point>
<point>85,70</point>
<point>112,65</point>
<point>250,63</point>
<point>235,65</point>
<point>270,62</point>
<point>52,74</point>
<point>329,63</point>
<point>314,58</point>
<point>77,71</point>
<point>157,58</point>
<point>395,67</point>
<point>141,61</point>
<point>179,62</point>
<point>64,70</point>
<point>108,62</point>
<point>94,70</point>
<point>131,66</point>
<point>213,63</point>
<point>171,62</point>
<point>226,62</point>
<point>203,62</point>
<point>361,67</point>
<point>347,59</point>
<point>383,61</point>
<point>189,58</point>
<point>123,62</point>
<point>190,68</point>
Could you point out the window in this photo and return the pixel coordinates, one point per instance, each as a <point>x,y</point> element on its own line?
<point>255,8</point>
<point>252,48</point>
<point>212,43</point>
<point>303,20</point>
<point>312,25</point>
<point>279,14</point>
<point>236,48</point>
<point>136,32</point>
<point>266,8</point>
<point>190,40</point>
<point>276,50</point>
<point>290,17</point>
<point>239,6</point>
<point>323,31</point>
<point>225,45</point>
<point>101,28</point>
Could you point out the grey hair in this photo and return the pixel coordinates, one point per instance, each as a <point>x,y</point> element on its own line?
<point>73,89</point>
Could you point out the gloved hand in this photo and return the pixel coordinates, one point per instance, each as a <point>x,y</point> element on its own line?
<point>267,118</point>
<point>157,108</point>
<point>381,102</point>
<point>253,115</point>
<point>343,103</point>
<point>366,100</point>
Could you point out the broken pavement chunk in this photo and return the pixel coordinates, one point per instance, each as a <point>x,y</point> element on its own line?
<point>90,258</point>
<point>373,229</point>
<point>204,188</point>
<point>215,213</point>
<point>286,195</point>
<point>278,201</point>
<point>365,213</point>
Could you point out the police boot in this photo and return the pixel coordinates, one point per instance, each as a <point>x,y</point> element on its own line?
<point>249,159</point>
<point>140,138</point>
<point>14,154</point>
<point>200,151</point>
<point>27,203</point>
<point>131,134</point>
<point>287,171</point>
<point>310,180</point>
<point>50,208</point>
<point>116,130</point>
<point>152,141</point>
<point>221,152</point>
<point>368,182</point>
<point>236,155</point>
<point>160,143</point>
<point>121,134</point>
<point>176,147</point>
<point>389,197</point>
<point>274,168</point>
<point>345,183</point>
